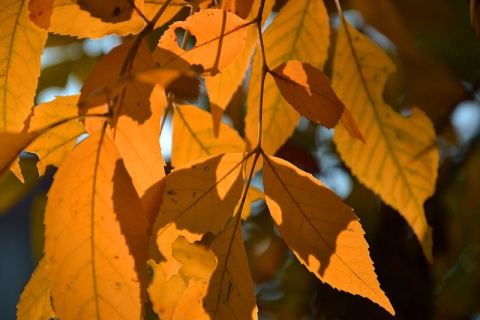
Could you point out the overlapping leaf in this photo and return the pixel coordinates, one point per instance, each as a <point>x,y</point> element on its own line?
<point>35,300</point>
<point>289,37</point>
<point>95,237</point>
<point>199,197</point>
<point>111,10</point>
<point>193,136</point>
<point>400,158</point>
<point>12,144</point>
<point>220,37</point>
<point>322,231</point>
<point>151,8</point>
<point>40,12</point>
<point>308,90</point>
<point>21,45</point>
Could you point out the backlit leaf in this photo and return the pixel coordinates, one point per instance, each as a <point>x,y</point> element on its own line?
<point>151,8</point>
<point>193,136</point>
<point>241,8</point>
<point>55,144</point>
<point>21,45</point>
<point>220,37</point>
<point>400,158</point>
<point>135,127</point>
<point>199,197</point>
<point>322,231</point>
<point>308,90</point>
<point>110,10</point>
<point>40,12</point>
<point>301,32</point>
<point>69,19</point>
<point>95,235</point>
<point>12,144</point>
<point>35,299</point>
<point>228,294</point>
<point>253,195</point>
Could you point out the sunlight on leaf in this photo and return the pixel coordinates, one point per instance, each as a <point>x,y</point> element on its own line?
<point>12,144</point>
<point>253,195</point>
<point>110,10</point>
<point>35,299</point>
<point>193,136</point>
<point>40,12</point>
<point>220,36</point>
<point>69,19</point>
<point>300,31</point>
<point>95,235</point>
<point>322,231</point>
<point>151,8</point>
<point>400,158</point>
<point>21,45</point>
<point>308,90</point>
<point>221,87</point>
<point>199,197</point>
<point>54,145</point>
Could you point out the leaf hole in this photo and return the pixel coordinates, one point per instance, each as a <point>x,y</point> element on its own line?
<point>191,41</point>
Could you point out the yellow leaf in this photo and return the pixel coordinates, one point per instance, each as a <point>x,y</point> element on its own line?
<point>322,231</point>
<point>400,158</point>
<point>55,144</point>
<point>40,12</point>
<point>199,197</point>
<point>193,136</point>
<point>35,299</point>
<point>229,293</point>
<point>135,126</point>
<point>253,195</point>
<point>12,144</point>
<point>111,10</point>
<point>308,90</point>
<point>21,45</point>
<point>221,87</point>
<point>69,19</point>
<point>151,8</point>
<point>301,32</point>
<point>197,262</point>
<point>220,36</point>
<point>95,236</point>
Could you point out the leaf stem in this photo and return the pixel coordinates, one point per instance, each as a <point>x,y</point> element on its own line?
<point>265,70</point>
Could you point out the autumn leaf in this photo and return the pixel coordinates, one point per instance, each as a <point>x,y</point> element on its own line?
<point>241,8</point>
<point>222,86</point>
<point>253,194</point>
<point>21,45</point>
<point>35,299</point>
<point>289,37</point>
<point>220,36</point>
<point>400,158</point>
<point>54,145</point>
<point>193,136</point>
<point>40,12</point>
<point>321,230</point>
<point>95,237</point>
<point>151,8</point>
<point>228,294</point>
<point>12,144</point>
<point>135,126</point>
<point>110,10</point>
<point>308,90</point>
<point>199,197</point>
<point>69,19</point>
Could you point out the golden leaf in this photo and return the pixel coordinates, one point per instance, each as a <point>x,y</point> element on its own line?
<point>12,144</point>
<point>241,8</point>
<point>253,195</point>
<point>199,197</point>
<point>301,32</point>
<point>220,37</point>
<point>151,8</point>
<point>110,10</point>
<point>55,144</point>
<point>308,90</point>
<point>21,45</point>
<point>95,235</point>
<point>35,299</point>
<point>40,12</point>
<point>400,158</point>
<point>193,136</point>
<point>322,231</point>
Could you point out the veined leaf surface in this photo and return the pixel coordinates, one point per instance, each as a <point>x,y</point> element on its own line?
<point>322,231</point>
<point>400,158</point>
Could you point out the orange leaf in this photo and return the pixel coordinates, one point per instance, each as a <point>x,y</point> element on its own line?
<point>400,159</point>
<point>199,197</point>
<point>193,136</point>
<point>12,144</point>
<point>21,45</point>
<point>321,230</point>
<point>219,35</point>
<point>241,8</point>
<point>35,300</point>
<point>135,127</point>
<point>151,8</point>
<point>110,10</point>
<point>308,90</point>
<point>40,12</point>
<point>95,235</point>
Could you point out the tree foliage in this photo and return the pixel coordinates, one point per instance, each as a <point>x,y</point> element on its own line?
<point>114,211</point>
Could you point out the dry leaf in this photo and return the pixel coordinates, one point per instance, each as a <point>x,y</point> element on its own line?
<point>40,12</point>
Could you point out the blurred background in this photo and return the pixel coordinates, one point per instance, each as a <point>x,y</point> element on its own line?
<point>437,55</point>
